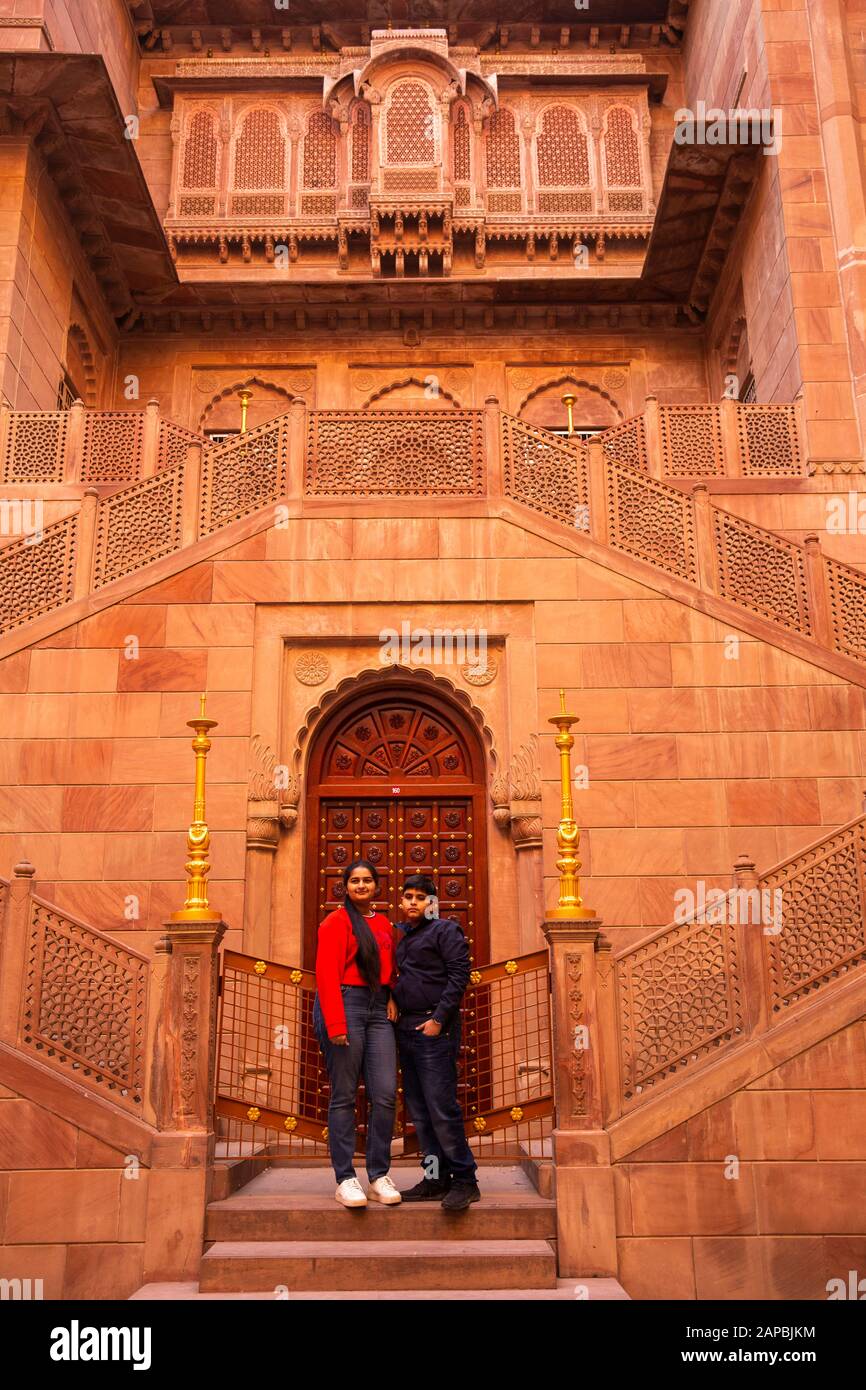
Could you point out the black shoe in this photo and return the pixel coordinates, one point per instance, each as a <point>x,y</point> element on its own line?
<point>427,1190</point>
<point>461,1196</point>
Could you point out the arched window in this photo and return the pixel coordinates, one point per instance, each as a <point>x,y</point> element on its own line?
<point>411,126</point>
<point>320,164</point>
<point>259,172</point>
<point>461,158</point>
<point>562,156</point>
<point>622,162</point>
<point>503,163</point>
<point>199,166</point>
<point>360,155</point>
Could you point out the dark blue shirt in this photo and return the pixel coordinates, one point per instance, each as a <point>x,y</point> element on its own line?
<point>432,969</point>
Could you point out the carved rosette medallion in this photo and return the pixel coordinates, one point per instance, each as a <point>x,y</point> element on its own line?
<point>480,675</point>
<point>312,668</point>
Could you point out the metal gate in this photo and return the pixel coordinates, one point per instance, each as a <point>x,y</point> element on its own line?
<point>272,1087</point>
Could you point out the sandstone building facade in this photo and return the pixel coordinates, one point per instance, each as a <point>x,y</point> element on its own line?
<point>287,315</point>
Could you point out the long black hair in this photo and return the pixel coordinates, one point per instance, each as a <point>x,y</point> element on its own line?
<point>369,960</point>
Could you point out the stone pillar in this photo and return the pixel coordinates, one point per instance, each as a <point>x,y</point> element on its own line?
<point>585,1212</point>
<point>184,984</point>
<point>150,442</point>
<point>526,833</point>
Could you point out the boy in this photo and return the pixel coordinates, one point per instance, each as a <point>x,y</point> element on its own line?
<point>433,971</point>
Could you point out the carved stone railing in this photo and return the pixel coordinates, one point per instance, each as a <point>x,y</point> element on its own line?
<point>546,473</point>
<point>391,453</point>
<point>738,965</point>
<point>191,489</point>
<point>72,997</point>
<point>724,440</point>
<point>79,446</point>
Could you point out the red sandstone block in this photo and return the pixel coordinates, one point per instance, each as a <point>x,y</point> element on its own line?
<point>664,620</point>
<point>840,1123</point>
<point>34,1262</point>
<point>784,801</point>
<point>810,1198</point>
<point>825,360</point>
<point>780,668</point>
<point>132,1217</point>
<point>680,803</point>
<point>226,806</point>
<point>404,539</point>
<point>192,585</point>
<point>833,439</point>
<point>331,539</point>
<point>114,626</point>
<point>705,664</point>
<point>45,761</point>
<point>749,707</point>
<point>616,900</point>
<point>210,625</point>
<point>671,1199</point>
<point>158,669</point>
<point>600,711</point>
<point>666,711</point>
<point>230,668</point>
<point>594,581</point>
<point>656,1268</point>
<point>97,1271</point>
<point>59,1206</point>
<point>741,1267</point>
<point>584,621</point>
<point>644,851</point>
<point>774,1125</point>
<point>671,1147</point>
<point>109,907</point>
<point>634,757</point>
<point>105,808</point>
<point>231,710</point>
<point>715,755</point>
<point>79,856</point>
<point>52,670</point>
<point>31,1137</point>
<point>152,760</point>
<point>30,809</point>
<point>93,1153</point>
<point>658,901</point>
<point>599,804</point>
<point>14,671</point>
<point>816,754</point>
<point>253,548</point>
<point>841,799</point>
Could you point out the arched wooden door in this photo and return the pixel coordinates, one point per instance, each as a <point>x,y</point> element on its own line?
<point>397,775</point>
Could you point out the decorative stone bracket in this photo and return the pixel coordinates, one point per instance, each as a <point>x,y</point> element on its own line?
<point>270,806</point>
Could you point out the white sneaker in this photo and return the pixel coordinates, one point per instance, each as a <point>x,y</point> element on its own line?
<point>383,1190</point>
<point>350,1193</point>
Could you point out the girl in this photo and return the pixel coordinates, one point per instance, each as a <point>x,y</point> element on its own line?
<point>353,1017</point>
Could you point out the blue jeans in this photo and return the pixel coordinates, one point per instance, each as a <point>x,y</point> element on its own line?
<point>372,1052</point>
<point>429,1067</point>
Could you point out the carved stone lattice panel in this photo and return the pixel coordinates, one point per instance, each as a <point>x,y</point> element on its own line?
<point>648,519</point>
<point>763,572</point>
<point>626,443</point>
<point>847,593</point>
<point>243,474</point>
<point>691,437</point>
<point>200,151</point>
<point>550,477</point>
<point>393,453</point>
<point>680,999</point>
<point>138,525</point>
<point>35,446</point>
<point>36,578</point>
<point>84,1005</point>
<point>174,441</point>
<point>769,442</point>
<point>823,918</point>
<point>112,446</point>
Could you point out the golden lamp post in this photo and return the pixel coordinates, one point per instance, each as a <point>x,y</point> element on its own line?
<point>567,835</point>
<point>246,397</point>
<point>196,908</point>
<point>569,400</point>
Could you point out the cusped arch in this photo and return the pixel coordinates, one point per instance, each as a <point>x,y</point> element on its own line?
<point>423,383</point>
<point>244,384</point>
<point>576,384</point>
<point>391,677</point>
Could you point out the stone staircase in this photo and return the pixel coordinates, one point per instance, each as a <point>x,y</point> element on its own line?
<point>284,1230</point>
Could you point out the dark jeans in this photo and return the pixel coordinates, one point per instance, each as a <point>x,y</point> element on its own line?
<point>373,1052</point>
<point>429,1068</point>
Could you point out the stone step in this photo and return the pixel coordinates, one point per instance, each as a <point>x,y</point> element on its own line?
<point>377,1265</point>
<point>566,1291</point>
<point>513,1216</point>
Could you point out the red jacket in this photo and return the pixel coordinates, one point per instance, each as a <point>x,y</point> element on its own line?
<point>336,963</point>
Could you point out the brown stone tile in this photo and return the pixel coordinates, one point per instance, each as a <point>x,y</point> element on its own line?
<point>50,1207</point>
<point>712,1134</point>
<point>35,1262</point>
<point>837,1063</point>
<point>31,809</point>
<point>74,670</point>
<point>810,1198</point>
<point>680,803</point>
<point>656,1268</point>
<point>210,625</point>
<point>632,757</point>
<point>666,711</point>
<point>775,1125</point>
<point>671,1147</point>
<point>114,626</point>
<point>193,585</point>
<point>737,1267</point>
<point>165,669</point>
<point>14,672</point>
<point>106,808</point>
<point>103,1272</point>
<point>785,801</point>
<point>93,1153</point>
<point>31,1137</point>
<point>52,761</point>
<point>840,1124</point>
